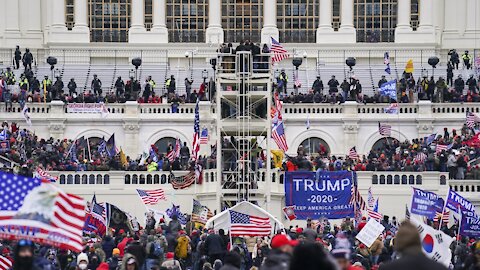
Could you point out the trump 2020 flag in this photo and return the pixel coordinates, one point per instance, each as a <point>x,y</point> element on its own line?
<point>389,89</point>
<point>458,204</point>
<point>435,243</point>
<point>39,211</point>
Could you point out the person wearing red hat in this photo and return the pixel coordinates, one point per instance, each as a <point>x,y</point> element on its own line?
<point>362,224</point>
<point>170,261</point>
<point>281,253</point>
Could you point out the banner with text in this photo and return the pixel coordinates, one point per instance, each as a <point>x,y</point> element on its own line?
<point>327,195</point>
<point>457,203</point>
<point>425,203</point>
<point>85,108</point>
<point>470,225</point>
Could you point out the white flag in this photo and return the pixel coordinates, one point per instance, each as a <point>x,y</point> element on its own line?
<point>435,243</point>
<point>26,115</point>
<point>307,123</point>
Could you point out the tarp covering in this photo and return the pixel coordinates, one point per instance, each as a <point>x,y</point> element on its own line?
<point>222,220</point>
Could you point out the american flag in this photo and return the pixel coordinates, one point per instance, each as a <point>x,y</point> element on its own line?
<point>278,135</point>
<point>42,174</point>
<point>204,136</point>
<point>248,225</point>
<point>5,263</point>
<point>373,213</point>
<point>200,213</point>
<point>357,198</point>
<point>384,129</point>
<point>196,133</point>
<point>175,152</point>
<point>407,213</point>
<point>184,181</point>
<point>279,53</point>
<point>371,200</point>
<point>441,147</point>
<point>352,153</point>
<point>98,210</point>
<point>421,157</point>
<point>41,207</point>
<point>445,218</point>
<point>472,119</point>
<point>177,148</point>
<point>151,197</point>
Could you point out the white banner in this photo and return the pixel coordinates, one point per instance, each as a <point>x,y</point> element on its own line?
<point>370,232</point>
<point>435,243</point>
<point>85,107</point>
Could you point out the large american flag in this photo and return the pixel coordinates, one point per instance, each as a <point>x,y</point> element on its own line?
<point>279,53</point>
<point>98,210</point>
<point>151,197</point>
<point>175,152</point>
<point>441,147</point>
<point>278,135</point>
<point>248,225</point>
<point>384,129</point>
<point>184,181</point>
<point>445,217</point>
<point>357,198</point>
<point>204,136</point>
<point>421,157</point>
<point>33,205</point>
<point>352,153</point>
<point>472,119</point>
<point>5,263</point>
<point>196,133</point>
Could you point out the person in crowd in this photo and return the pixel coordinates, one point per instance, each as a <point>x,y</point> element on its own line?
<point>72,87</point>
<point>188,88</point>
<point>472,84</point>
<point>382,81</point>
<point>170,262</point>
<point>17,57</point>
<point>96,85</point>
<point>467,60</point>
<point>283,80</point>
<point>450,73</point>
<point>333,84</point>
<point>57,89</point>
<point>27,59</point>
<point>170,85</point>
<point>317,85</point>
<point>454,58</point>
<point>409,246</point>
<point>119,86</point>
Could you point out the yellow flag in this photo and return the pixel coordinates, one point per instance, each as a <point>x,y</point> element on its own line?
<point>409,66</point>
<point>277,156</point>
<point>123,158</point>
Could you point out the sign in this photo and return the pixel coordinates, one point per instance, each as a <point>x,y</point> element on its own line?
<point>435,243</point>
<point>94,225</point>
<point>424,203</point>
<point>456,202</point>
<point>370,232</point>
<point>389,89</point>
<point>326,196</point>
<point>86,108</point>
<point>470,225</point>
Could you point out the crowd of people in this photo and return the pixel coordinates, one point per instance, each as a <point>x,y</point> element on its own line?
<point>390,154</point>
<point>318,245</point>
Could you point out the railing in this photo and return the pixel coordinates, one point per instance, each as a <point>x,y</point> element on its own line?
<point>467,186</point>
<point>312,109</point>
<point>167,108</point>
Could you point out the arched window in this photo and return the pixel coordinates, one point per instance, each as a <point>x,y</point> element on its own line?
<point>242,20</point>
<point>163,143</point>
<point>297,20</point>
<point>314,146</point>
<point>375,20</point>
<point>383,142</point>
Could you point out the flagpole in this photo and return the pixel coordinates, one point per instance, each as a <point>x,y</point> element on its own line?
<point>89,153</point>
<point>459,224</point>
<point>443,211</point>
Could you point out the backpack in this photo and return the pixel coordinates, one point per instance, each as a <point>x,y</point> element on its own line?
<point>157,249</point>
<point>182,247</point>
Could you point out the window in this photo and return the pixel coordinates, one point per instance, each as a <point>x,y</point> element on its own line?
<point>415,14</point>
<point>314,146</point>
<point>242,20</point>
<point>109,20</point>
<point>69,14</point>
<point>336,4</point>
<point>163,144</point>
<point>187,20</point>
<point>375,20</point>
<point>148,14</point>
<point>297,20</point>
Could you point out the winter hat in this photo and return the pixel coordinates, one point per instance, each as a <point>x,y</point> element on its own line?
<point>169,255</point>
<point>82,257</point>
<point>116,251</point>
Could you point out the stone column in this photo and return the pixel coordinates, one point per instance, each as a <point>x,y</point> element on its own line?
<point>325,21</point>
<point>269,21</point>
<point>159,28</point>
<point>403,16</point>
<point>349,34</point>
<point>12,16</point>
<point>81,30</point>
<point>214,33</point>
<point>137,31</point>
<point>426,16</point>
<point>58,29</point>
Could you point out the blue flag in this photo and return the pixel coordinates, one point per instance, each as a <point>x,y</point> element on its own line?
<point>328,196</point>
<point>111,148</point>
<point>470,225</point>
<point>425,203</point>
<point>389,89</point>
<point>386,61</point>
<point>431,138</point>
<point>175,210</point>
<point>459,204</point>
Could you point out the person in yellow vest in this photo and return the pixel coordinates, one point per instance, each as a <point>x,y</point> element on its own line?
<point>151,82</point>
<point>152,166</point>
<point>46,85</point>
<point>467,60</point>
<point>24,84</point>
<point>10,77</point>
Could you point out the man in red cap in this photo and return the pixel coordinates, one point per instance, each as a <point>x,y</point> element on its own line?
<point>281,253</point>
<point>170,261</point>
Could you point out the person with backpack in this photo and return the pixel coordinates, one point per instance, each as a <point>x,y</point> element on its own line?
<point>154,253</point>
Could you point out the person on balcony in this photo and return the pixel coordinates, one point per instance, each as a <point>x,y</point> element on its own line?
<point>318,85</point>
<point>188,89</point>
<point>170,85</point>
<point>459,84</point>
<point>333,84</point>
<point>119,86</point>
<point>467,60</point>
<point>472,84</point>
<point>96,85</point>
<point>27,59</point>
<point>454,58</point>
<point>283,80</point>
<point>17,57</point>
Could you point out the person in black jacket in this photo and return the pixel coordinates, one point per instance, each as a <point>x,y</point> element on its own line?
<point>96,85</point>
<point>408,244</point>
<point>120,86</point>
<point>27,59</point>
<point>72,87</point>
<point>214,247</point>
<point>318,85</point>
<point>17,57</point>
<point>449,74</point>
<point>333,84</point>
